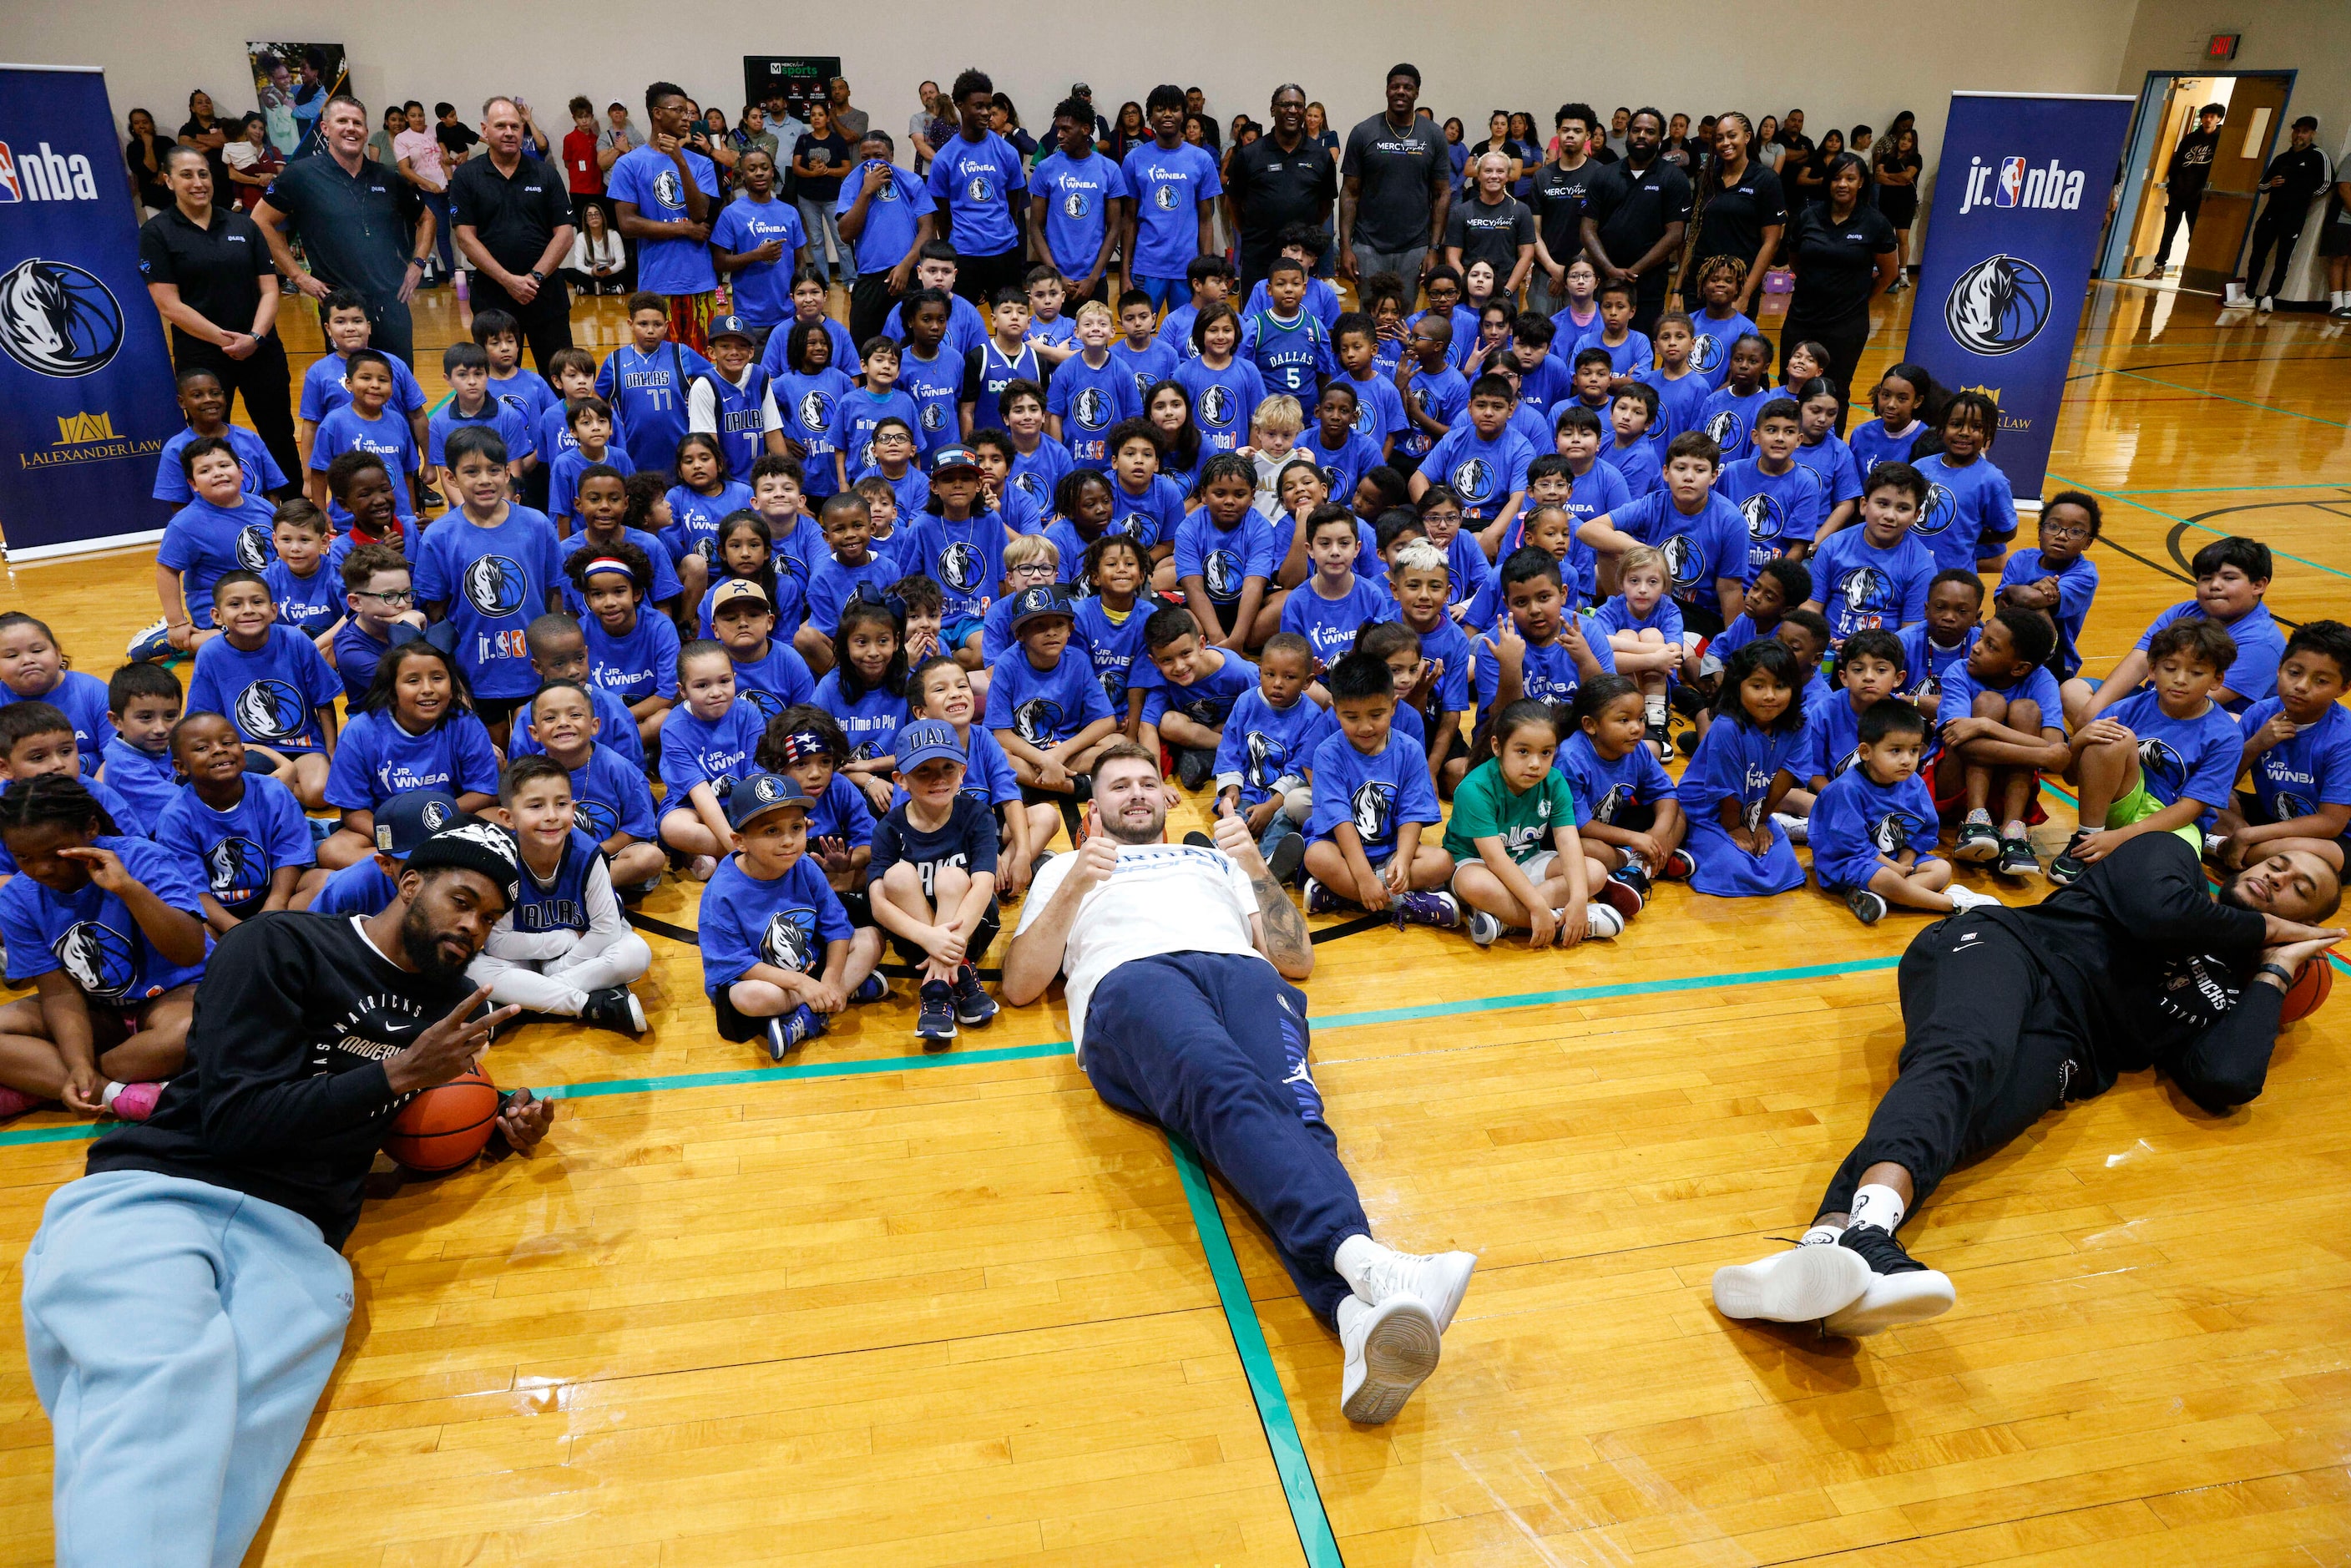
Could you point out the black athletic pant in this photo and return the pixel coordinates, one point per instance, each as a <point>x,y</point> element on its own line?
<point>1843,338</point>
<point>265,380</point>
<point>1649,303</point>
<point>870,299</point>
<point>546,321</point>
<point>2283,230</point>
<point>1977,1067</point>
<point>977,277</point>
<point>2182,209</point>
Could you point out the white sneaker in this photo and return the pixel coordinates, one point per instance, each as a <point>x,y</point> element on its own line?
<point>2268,304</point>
<point>1968,898</point>
<point>1801,1285</point>
<point>1798,830</point>
<point>1483,927</point>
<point>1391,1350</point>
<point>2233,294</point>
<point>1901,1290</point>
<point>1601,921</point>
<point>1437,1279</point>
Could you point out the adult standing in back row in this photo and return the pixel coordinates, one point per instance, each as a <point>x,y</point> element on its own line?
<point>1171,199</point>
<point>1745,213</point>
<point>883,213</point>
<point>512,215</point>
<point>1281,181</point>
<point>972,177</point>
<point>362,226</point>
<point>664,193</point>
<point>1398,185</point>
<point>1562,187</point>
<point>1637,212</point>
<point>1842,251</point>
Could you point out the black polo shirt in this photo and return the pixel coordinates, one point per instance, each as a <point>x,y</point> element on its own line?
<point>1631,212</point>
<point>1836,264</point>
<point>1274,190</point>
<point>359,231</point>
<point>1559,199</point>
<point>1737,215</point>
<point>513,216</point>
<point>217,269</point>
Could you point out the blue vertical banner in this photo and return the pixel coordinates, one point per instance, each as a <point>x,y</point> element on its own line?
<point>2020,202</point>
<point>86,397</point>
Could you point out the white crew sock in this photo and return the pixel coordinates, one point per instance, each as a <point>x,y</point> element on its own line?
<point>1655,707</point>
<point>106,1095</point>
<point>1354,1259</point>
<point>1878,1205</point>
<point>1820,1236</point>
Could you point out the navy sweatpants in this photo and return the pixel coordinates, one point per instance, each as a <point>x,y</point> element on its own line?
<point>1212,1046</point>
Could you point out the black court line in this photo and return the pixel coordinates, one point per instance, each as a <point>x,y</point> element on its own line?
<point>2191,364</point>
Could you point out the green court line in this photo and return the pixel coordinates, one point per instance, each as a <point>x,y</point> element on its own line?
<point>1298,1486</point>
<point>2125,497</point>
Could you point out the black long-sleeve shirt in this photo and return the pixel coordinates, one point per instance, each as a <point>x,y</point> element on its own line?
<point>2192,165</point>
<point>284,1097</point>
<point>2307,174</point>
<point>2147,970</point>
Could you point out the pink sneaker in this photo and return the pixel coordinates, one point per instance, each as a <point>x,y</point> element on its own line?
<point>136,1102</point>
<point>16,1102</point>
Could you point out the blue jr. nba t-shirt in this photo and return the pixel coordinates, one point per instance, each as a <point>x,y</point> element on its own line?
<point>1079,193</point>
<point>495,582</point>
<point>271,694</point>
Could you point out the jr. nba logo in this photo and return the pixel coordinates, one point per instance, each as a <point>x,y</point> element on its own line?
<point>2012,182</point>
<point>11,190</point>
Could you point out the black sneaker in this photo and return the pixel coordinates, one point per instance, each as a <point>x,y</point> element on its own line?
<point>934,1023</point>
<point>1979,841</point>
<point>1659,743</point>
<point>1199,840</point>
<point>972,1005</point>
<point>1901,1289</point>
<point>1867,907</point>
<point>1287,857</point>
<point>2017,859</point>
<point>1634,875</point>
<point>1194,768</point>
<point>2065,870</point>
<point>613,1008</point>
<point>1686,743</point>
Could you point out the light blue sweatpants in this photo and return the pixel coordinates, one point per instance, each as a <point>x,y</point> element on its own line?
<point>180,1335</point>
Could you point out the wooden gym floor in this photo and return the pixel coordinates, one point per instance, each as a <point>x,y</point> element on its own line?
<point>876,1307</point>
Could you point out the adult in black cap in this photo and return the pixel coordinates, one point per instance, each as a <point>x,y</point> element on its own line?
<point>197,1268</point>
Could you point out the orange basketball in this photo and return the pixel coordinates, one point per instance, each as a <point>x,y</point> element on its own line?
<point>444,1126</point>
<point>2308,991</point>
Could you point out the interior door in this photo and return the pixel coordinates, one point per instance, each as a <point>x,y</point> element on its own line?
<point>2255,110</point>
<point>2175,121</point>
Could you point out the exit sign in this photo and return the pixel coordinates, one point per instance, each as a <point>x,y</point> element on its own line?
<point>2222,48</point>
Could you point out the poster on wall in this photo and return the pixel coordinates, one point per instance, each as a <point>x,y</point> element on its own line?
<point>2020,202</point>
<point>86,399</point>
<point>292,82</point>
<point>795,79</point>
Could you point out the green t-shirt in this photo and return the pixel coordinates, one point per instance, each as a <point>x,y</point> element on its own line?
<point>1485,806</point>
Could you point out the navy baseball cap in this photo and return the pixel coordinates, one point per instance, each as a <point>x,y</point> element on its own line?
<point>956,456</point>
<point>758,794</point>
<point>408,819</point>
<point>731,327</point>
<point>927,740</point>
<point>1037,603</point>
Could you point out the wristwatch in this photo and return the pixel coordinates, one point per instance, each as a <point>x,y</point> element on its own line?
<point>537,276</point>
<point>2285,978</point>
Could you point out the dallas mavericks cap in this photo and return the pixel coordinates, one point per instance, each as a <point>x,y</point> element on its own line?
<point>730,326</point>
<point>755,796</point>
<point>927,740</point>
<point>408,819</point>
<point>475,844</point>
<point>736,591</point>
<point>954,457</point>
<point>1036,604</point>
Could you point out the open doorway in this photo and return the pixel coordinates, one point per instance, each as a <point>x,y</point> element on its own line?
<point>2206,232</point>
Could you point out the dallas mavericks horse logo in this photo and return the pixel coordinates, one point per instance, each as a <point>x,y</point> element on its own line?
<point>1372,807</point>
<point>1074,204</point>
<point>1996,305</point>
<point>236,869</point>
<point>1473,479</point>
<point>1215,405</point>
<point>1762,515</point>
<point>1090,409</point>
<point>252,548</point>
<point>667,190</point>
<point>1036,721</point>
<point>767,704</point>
<point>1941,510</point>
<point>56,319</point>
<point>1891,831</point>
<point>1031,487</point>
<point>494,585</point>
<point>2289,806</point>
<point>2164,768</point>
<point>1363,418</point>
<point>1259,764</point>
<point>99,959</point>
<point>934,416</point>
<point>1706,352</point>
<point>1843,764</point>
<point>785,943</point>
<point>1619,796</point>
<point>1725,428</point>
<point>814,412</point>
<point>977,189</point>
<point>961,567</point>
<point>600,819</point>
<point>1222,573</point>
<point>270,711</point>
<point>1861,589</point>
<point>1681,561</point>
<point>1163,198</point>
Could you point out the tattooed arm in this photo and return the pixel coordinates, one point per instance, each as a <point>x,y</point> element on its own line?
<point>1280,930</point>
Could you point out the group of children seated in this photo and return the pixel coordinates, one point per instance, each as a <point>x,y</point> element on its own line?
<point>846,651</point>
